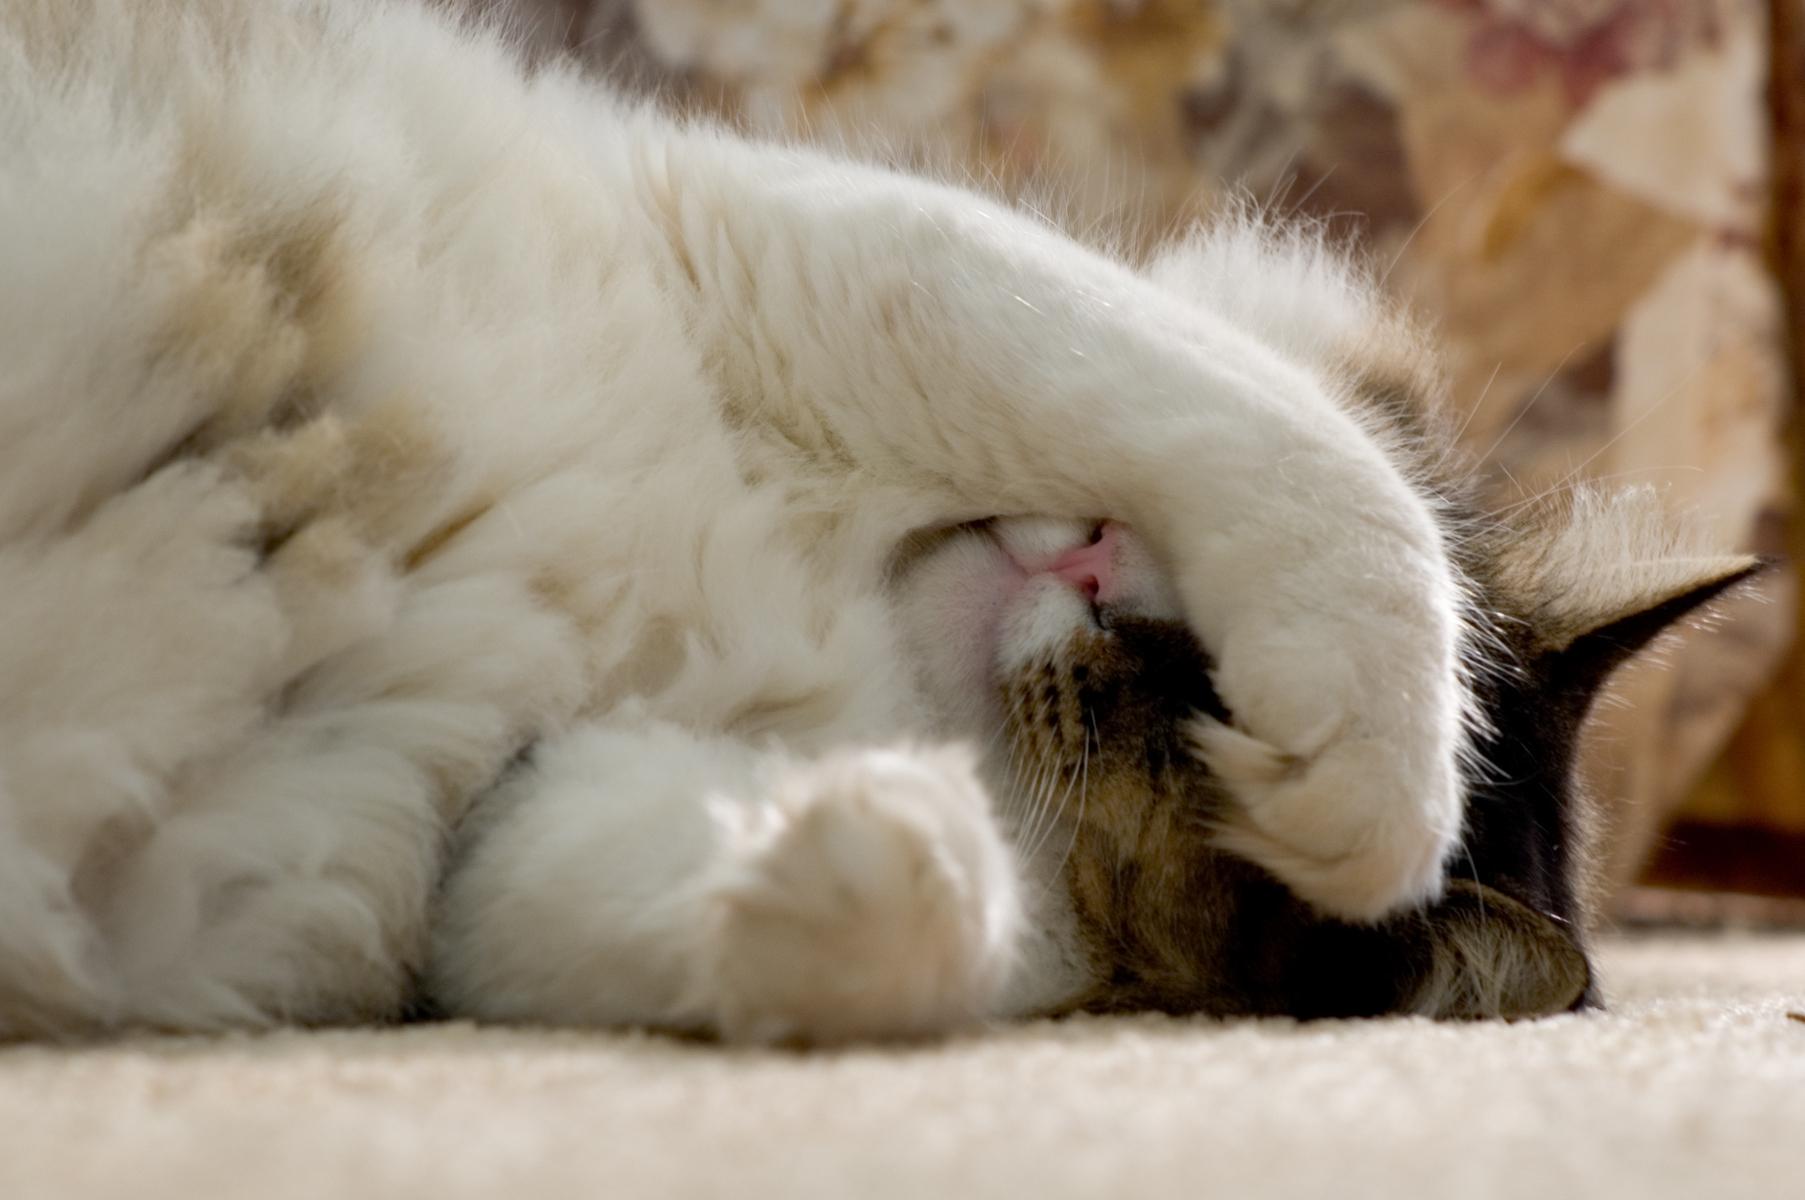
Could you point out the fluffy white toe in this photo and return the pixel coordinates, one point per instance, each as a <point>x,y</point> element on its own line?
<point>1346,829</point>
<point>873,898</point>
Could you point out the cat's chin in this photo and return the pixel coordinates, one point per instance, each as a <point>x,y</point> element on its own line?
<point>991,600</point>
<point>952,604</point>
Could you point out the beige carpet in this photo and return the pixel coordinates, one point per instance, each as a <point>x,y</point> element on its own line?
<point>1694,1086</point>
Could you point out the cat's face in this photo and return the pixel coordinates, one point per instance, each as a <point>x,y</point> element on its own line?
<point>1061,647</point>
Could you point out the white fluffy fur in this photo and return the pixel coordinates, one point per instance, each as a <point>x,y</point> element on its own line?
<point>568,426</point>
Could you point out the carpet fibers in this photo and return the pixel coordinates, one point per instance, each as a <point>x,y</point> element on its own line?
<point>1692,1086</point>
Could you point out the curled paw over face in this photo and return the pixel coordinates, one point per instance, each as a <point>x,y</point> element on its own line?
<point>1346,783</point>
<point>1321,826</point>
<point>871,897</point>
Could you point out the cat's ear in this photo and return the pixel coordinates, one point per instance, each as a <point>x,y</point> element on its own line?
<point>1601,576</point>
<point>1654,596</point>
<point>1491,956</point>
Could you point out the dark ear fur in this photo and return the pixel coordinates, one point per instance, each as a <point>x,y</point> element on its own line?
<point>1490,956</point>
<point>1589,656</point>
<point>1518,954</point>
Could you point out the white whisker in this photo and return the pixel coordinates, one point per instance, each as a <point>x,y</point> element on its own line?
<point>1411,236</point>
<point>1084,775</point>
<point>1573,476</point>
<point>1524,411</point>
<point>1454,442</point>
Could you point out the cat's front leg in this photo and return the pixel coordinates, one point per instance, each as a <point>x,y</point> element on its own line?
<point>650,876</point>
<point>957,353</point>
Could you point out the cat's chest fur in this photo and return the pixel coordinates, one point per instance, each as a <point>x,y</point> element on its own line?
<point>466,368</point>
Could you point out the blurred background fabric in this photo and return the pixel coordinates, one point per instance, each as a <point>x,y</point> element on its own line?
<point>1598,201</point>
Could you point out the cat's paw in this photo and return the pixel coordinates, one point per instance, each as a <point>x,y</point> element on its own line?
<point>1343,758</point>
<point>1315,824</point>
<point>872,897</point>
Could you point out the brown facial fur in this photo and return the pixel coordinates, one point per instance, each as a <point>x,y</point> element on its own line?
<point>1104,724</point>
<point>1170,923</point>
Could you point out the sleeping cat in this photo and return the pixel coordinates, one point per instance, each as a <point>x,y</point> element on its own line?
<point>468,545</point>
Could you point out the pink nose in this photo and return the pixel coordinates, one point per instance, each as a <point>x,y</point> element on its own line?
<point>1091,568</point>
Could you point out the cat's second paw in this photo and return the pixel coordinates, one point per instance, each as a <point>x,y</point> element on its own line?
<point>872,898</point>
